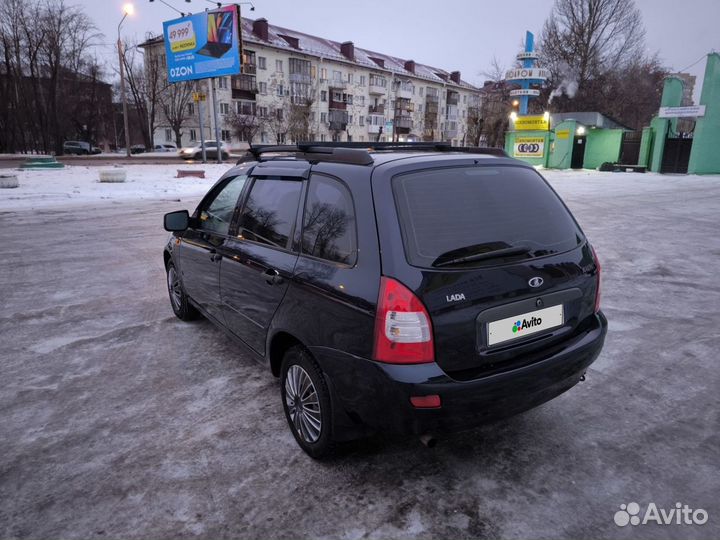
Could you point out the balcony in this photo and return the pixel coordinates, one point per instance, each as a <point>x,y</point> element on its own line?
<point>432,98</point>
<point>337,120</point>
<point>249,69</point>
<point>449,134</point>
<point>376,109</point>
<point>431,122</point>
<point>337,83</point>
<point>404,92</point>
<point>336,105</point>
<point>453,98</point>
<point>375,122</point>
<point>243,87</point>
<point>402,124</point>
<point>377,88</point>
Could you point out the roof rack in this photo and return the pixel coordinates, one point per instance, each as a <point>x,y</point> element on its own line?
<point>357,153</point>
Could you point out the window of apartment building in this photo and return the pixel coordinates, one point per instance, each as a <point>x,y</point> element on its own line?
<point>350,78</point>
<point>168,134</point>
<point>350,119</point>
<point>335,137</point>
<point>322,138</point>
<point>420,108</point>
<point>222,83</point>
<point>362,80</point>
<point>422,90</point>
<point>323,74</point>
<point>361,119</point>
<point>246,107</point>
<point>337,96</point>
<point>464,98</point>
<point>442,111</point>
<point>376,80</point>
<point>299,66</point>
<point>349,138</point>
<point>280,138</point>
<point>264,137</point>
<point>279,114</point>
<point>224,108</point>
<point>312,116</point>
<point>191,109</point>
<point>362,138</point>
<point>193,135</point>
<point>263,88</point>
<point>262,112</point>
<point>279,65</point>
<point>360,100</point>
<point>323,95</point>
<point>262,62</point>
<point>280,90</point>
<point>337,76</point>
<point>323,118</point>
<point>225,135</point>
<point>349,99</point>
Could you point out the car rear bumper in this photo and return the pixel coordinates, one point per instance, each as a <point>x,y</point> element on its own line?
<point>377,396</point>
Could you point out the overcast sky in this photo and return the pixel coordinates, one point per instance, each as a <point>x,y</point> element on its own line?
<point>449,34</point>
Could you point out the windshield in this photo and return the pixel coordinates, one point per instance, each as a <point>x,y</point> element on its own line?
<point>461,216</point>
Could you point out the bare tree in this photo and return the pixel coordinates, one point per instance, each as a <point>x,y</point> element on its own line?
<point>49,80</point>
<point>174,101</point>
<point>146,80</point>
<point>583,40</point>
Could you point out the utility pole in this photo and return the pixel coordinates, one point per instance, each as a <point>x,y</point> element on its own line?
<point>128,10</point>
<point>217,126</point>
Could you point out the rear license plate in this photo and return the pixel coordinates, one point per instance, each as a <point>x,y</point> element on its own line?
<point>525,324</point>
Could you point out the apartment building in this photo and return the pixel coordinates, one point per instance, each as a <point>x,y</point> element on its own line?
<point>296,86</point>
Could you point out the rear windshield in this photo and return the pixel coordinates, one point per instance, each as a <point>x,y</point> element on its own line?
<point>489,214</point>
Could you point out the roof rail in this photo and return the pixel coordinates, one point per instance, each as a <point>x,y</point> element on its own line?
<point>357,153</point>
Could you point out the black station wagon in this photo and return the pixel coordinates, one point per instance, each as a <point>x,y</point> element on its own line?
<point>412,289</point>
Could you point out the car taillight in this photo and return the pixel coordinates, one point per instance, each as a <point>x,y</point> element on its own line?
<point>403,332</point>
<point>599,279</point>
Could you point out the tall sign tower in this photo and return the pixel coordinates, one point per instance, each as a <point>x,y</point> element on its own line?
<point>528,75</point>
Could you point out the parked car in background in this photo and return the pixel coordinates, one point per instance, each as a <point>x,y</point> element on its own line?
<point>95,150</point>
<point>195,152</point>
<point>165,147</point>
<point>78,148</point>
<point>414,289</point>
<point>137,149</point>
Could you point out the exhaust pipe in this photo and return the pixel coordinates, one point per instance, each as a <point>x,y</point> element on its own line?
<point>428,440</point>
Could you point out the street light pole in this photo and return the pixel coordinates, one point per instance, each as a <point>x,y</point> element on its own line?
<point>128,9</point>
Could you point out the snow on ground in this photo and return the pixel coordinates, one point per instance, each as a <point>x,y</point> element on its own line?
<point>77,185</point>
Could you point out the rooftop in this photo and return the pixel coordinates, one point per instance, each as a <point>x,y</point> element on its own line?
<point>299,42</point>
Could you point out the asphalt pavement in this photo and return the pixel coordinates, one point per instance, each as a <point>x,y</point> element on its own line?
<point>119,421</point>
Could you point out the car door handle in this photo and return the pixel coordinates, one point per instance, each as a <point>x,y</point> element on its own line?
<point>272,277</point>
<point>214,255</point>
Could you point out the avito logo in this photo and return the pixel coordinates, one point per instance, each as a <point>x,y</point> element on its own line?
<point>522,325</point>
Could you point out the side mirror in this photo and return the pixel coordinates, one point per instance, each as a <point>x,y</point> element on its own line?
<point>177,221</point>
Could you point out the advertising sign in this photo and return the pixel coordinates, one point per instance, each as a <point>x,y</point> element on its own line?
<point>527,73</point>
<point>529,147</point>
<point>537,123</point>
<point>203,45</point>
<point>682,112</point>
<point>524,92</point>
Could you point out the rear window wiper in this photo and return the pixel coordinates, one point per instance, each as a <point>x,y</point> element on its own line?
<point>494,254</point>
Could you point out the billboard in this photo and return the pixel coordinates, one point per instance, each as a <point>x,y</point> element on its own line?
<point>203,45</point>
<point>532,123</point>
<point>529,147</point>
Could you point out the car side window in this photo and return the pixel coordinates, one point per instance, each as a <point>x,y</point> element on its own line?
<point>329,222</point>
<point>218,213</point>
<point>270,211</point>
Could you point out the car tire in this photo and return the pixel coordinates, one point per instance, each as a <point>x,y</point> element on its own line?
<point>312,425</point>
<point>225,156</point>
<point>179,300</point>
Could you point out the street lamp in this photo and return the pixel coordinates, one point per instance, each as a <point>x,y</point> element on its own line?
<point>128,9</point>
